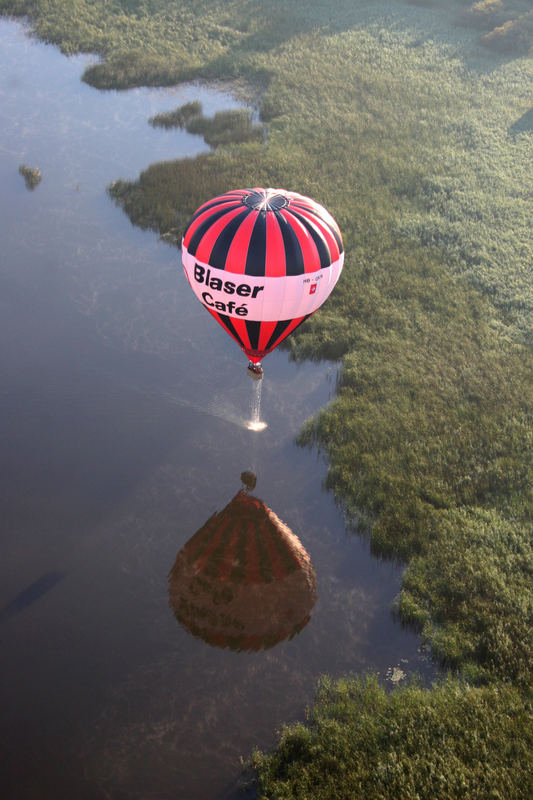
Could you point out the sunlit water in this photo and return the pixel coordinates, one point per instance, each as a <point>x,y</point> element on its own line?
<point>124,416</point>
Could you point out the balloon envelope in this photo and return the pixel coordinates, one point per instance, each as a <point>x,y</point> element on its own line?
<point>262,261</point>
<point>244,580</point>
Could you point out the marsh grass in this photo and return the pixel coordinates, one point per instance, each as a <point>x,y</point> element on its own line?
<point>179,117</point>
<point>360,742</point>
<point>225,127</point>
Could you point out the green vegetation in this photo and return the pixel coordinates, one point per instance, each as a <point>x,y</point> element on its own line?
<point>179,117</point>
<point>470,594</point>
<point>360,742</point>
<point>418,138</point>
<point>32,176</point>
<point>225,127</point>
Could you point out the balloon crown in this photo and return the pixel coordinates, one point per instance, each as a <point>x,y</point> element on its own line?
<point>266,200</point>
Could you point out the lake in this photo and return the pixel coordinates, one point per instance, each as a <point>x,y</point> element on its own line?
<point>123,417</point>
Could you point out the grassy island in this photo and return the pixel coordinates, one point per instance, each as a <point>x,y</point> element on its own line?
<point>32,176</point>
<point>225,127</point>
<point>411,122</point>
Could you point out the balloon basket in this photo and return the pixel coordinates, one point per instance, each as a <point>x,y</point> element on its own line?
<point>255,371</point>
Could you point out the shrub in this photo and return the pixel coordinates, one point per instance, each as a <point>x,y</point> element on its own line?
<point>32,176</point>
<point>514,37</point>
<point>485,14</point>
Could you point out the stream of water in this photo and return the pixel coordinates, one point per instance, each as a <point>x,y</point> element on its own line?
<point>124,420</point>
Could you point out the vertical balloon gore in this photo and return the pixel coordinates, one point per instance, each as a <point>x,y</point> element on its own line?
<point>262,261</point>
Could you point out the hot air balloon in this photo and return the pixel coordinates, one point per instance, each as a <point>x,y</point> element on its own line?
<point>262,261</point>
<point>243,581</point>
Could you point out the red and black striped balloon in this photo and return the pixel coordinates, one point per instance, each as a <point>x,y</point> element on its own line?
<point>261,261</point>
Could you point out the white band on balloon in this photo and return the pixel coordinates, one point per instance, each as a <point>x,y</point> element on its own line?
<point>260,299</point>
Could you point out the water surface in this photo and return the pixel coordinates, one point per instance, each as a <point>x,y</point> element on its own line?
<point>123,419</point>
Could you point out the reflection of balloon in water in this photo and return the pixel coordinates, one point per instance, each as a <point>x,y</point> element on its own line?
<point>261,261</point>
<point>244,580</point>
